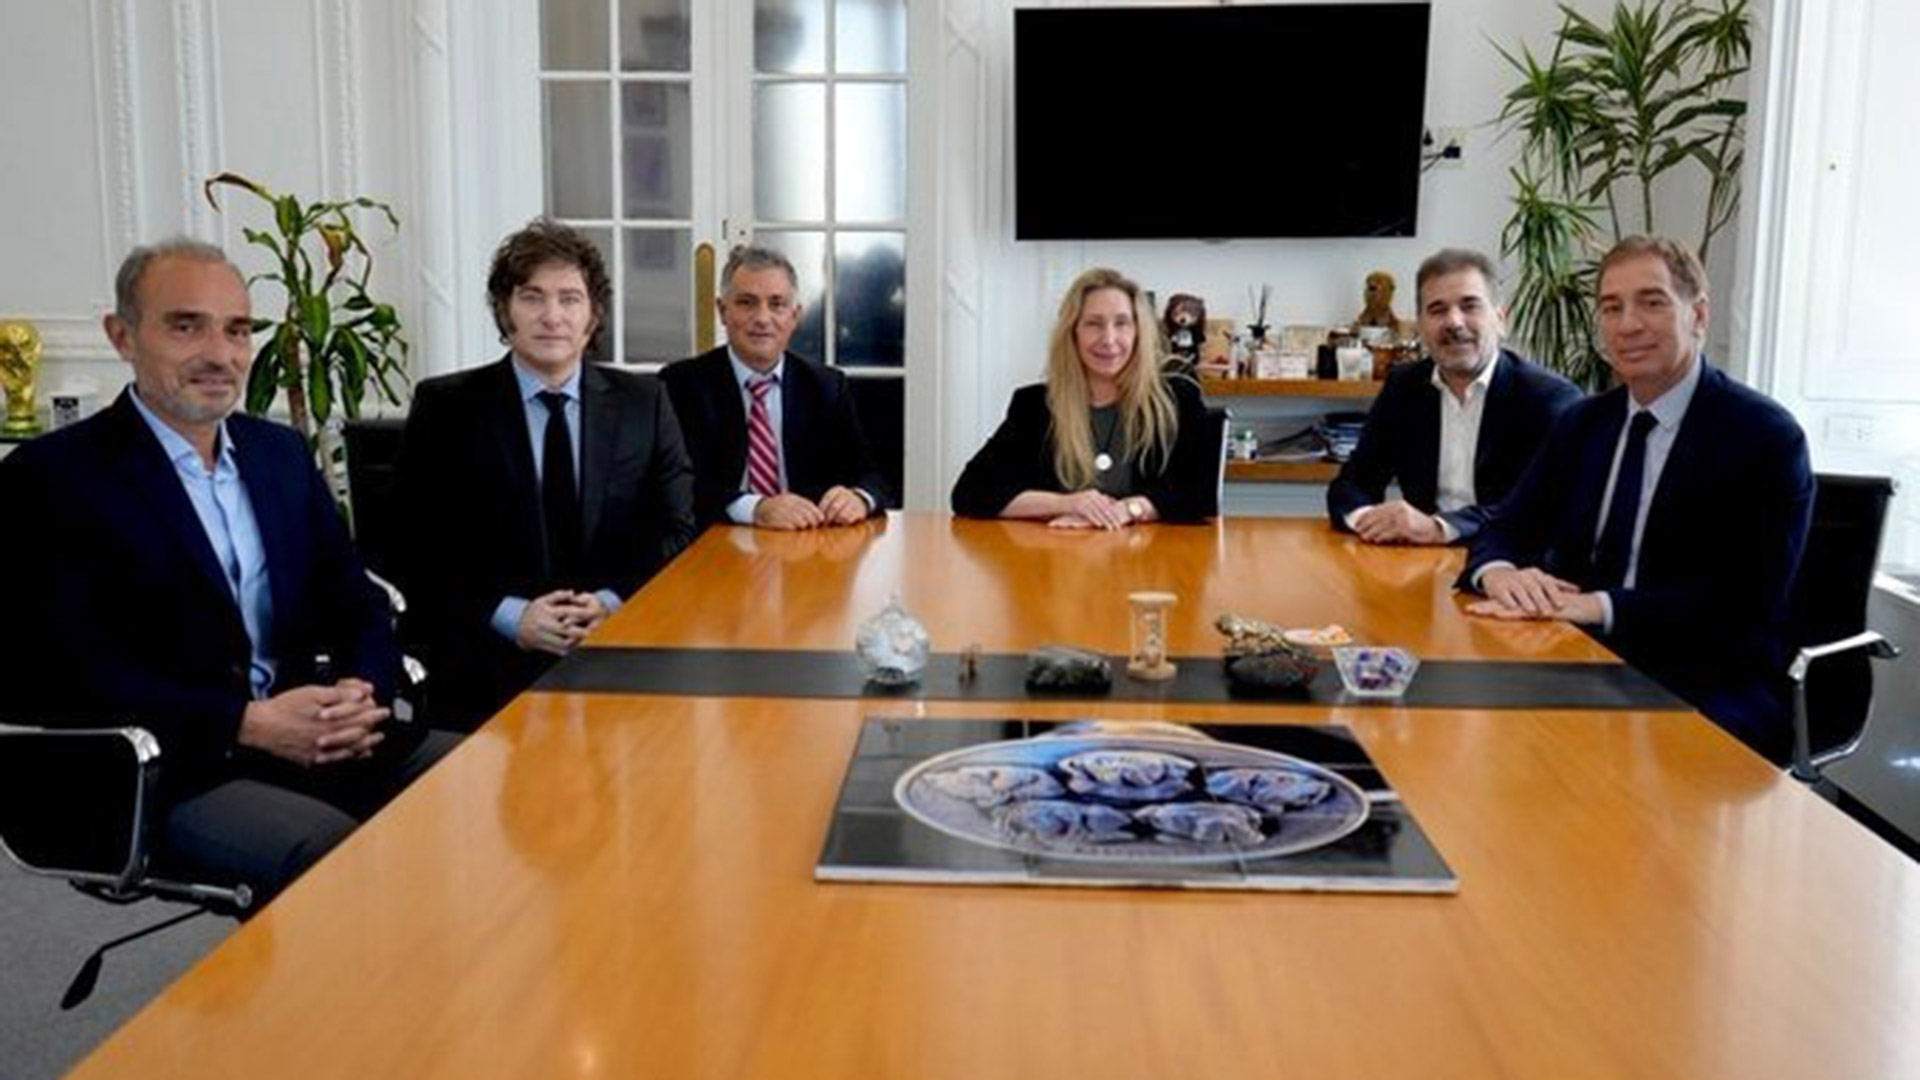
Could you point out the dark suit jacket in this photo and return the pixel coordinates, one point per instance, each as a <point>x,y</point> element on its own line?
<point>820,441</point>
<point>1707,613</point>
<point>1402,440</point>
<point>1019,457</point>
<point>473,533</point>
<point>125,614</point>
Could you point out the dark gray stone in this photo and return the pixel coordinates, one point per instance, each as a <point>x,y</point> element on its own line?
<point>1057,669</point>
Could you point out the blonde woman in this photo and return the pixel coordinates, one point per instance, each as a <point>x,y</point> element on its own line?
<point>1107,441</point>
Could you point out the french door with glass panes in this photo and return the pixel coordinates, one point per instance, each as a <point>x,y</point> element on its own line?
<point>673,125</point>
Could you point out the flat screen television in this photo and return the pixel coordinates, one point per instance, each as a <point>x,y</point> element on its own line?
<point>1285,120</point>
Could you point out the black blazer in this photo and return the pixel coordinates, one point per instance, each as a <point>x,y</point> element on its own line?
<point>1019,457</point>
<point>1707,613</point>
<point>125,615</point>
<point>1402,440</point>
<point>820,440</point>
<point>472,531</point>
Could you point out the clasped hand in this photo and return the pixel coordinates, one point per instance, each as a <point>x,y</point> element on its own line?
<point>1093,509</point>
<point>839,506</point>
<point>316,725</point>
<point>1397,522</point>
<point>558,621</point>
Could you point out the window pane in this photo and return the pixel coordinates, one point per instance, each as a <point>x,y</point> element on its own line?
<point>602,238</point>
<point>870,164</point>
<point>573,35</point>
<point>790,36</point>
<point>870,298</point>
<point>790,152</point>
<point>579,154</point>
<point>658,295</point>
<point>656,124</point>
<point>655,35</point>
<point>808,253</point>
<point>870,37</point>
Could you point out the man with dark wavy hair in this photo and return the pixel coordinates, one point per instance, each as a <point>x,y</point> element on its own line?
<point>541,490</point>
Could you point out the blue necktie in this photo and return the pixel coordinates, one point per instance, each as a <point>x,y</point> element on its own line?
<point>1616,539</point>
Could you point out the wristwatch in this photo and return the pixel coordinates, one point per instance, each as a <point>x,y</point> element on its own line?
<point>1135,510</point>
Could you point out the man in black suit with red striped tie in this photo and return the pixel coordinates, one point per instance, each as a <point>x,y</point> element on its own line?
<point>775,437</point>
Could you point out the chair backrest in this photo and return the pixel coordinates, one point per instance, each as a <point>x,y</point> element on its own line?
<point>373,485</point>
<point>72,802</point>
<point>1830,597</point>
<point>1221,421</point>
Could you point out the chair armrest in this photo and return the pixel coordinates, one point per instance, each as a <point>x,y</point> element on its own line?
<point>74,803</point>
<point>1806,764</point>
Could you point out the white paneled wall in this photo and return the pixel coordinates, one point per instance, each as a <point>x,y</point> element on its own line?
<point>1837,273</point>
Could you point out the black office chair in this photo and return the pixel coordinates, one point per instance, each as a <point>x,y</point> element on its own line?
<point>1833,702</point>
<point>1221,421</point>
<point>75,805</point>
<point>373,490</point>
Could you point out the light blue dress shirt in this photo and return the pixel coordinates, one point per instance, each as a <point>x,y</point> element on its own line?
<point>219,498</point>
<point>506,614</point>
<point>1668,410</point>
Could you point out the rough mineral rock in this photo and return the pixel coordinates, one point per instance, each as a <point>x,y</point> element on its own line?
<point>1271,674</point>
<point>1057,669</point>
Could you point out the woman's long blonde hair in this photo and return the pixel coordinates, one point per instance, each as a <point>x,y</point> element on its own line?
<point>1147,413</point>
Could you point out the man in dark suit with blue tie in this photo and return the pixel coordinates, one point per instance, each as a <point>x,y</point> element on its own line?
<point>775,437</point>
<point>183,568</point>
<point>539,491</point>
<point>1456,429</point>
<point>1667,515</point>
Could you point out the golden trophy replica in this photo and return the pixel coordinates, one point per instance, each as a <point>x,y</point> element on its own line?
<point>19,372</point>
<point>1149,660</point>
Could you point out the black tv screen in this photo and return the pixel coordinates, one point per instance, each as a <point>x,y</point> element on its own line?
<point>1218,123</point>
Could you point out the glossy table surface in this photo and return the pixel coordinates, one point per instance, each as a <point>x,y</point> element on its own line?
<point>599,885</point>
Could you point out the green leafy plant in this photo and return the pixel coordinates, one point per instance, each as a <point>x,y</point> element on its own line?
<point>1614,107</point>
<point>334,341</point>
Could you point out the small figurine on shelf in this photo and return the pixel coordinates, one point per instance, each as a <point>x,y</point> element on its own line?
<point>1379,306</point>
<point>1185,322</point>
<point>1257,327</point>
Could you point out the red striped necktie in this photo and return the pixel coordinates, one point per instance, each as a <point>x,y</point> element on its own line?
<point>763,450</point>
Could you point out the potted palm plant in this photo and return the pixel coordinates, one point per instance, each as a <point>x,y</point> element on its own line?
<point>333,342</point>
<point>1612,108</point>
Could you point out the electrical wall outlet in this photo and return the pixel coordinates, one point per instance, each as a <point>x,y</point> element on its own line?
<point>1850,433</point>
<point>1450,147</point>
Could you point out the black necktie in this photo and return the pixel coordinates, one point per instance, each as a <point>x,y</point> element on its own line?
<point>1616,539</point>
<point>559,499</point>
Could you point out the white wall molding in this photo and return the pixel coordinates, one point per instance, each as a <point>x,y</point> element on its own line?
<point>199,101</point>
<point>117,119</point>
<point>436,339</point>
<point>71,338</point>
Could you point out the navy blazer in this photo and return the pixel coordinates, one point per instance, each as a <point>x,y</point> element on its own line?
<point>1402,440</point>
<point>472,529</point>
<point>1707,615</point>
<point>1019,457</point>
<point>820,440</point>
<point>126,615</point>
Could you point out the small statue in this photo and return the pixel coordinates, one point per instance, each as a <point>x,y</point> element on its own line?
<point>1379,307</point>
<point>1250,637</point>
<point>20,350</point>
<point>969,664</point>
<point>1185,322</point>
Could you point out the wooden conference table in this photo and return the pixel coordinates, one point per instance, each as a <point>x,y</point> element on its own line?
<point>620,884</point>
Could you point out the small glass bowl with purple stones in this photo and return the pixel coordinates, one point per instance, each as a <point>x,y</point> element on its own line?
<point>1374,671</point>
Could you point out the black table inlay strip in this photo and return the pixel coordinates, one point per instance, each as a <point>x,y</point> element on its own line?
<point>802,673</point>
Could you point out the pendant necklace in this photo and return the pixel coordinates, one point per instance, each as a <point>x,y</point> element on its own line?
<point>1102,461</point>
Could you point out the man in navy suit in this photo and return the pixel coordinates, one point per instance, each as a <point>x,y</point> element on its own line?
<point>1667,515</point>
<point>1456,429</point>
<point>775,437</point>
<point>184,569</point>
<point>539,491</point>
